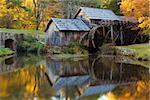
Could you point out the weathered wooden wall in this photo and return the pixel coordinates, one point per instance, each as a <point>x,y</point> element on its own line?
<point>54,37</point>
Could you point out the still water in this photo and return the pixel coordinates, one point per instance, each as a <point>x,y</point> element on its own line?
<point>95,78</point>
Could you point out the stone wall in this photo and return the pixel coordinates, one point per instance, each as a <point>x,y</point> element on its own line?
<point>15,37</point>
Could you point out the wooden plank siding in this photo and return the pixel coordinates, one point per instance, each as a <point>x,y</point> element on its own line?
<point>57,37</point>
<point>54,37</point>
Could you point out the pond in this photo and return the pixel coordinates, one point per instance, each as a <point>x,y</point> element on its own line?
<point>94,78</point>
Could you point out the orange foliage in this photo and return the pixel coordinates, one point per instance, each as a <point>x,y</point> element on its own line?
<point>138,9</point>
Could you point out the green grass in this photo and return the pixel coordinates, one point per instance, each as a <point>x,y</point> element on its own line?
<point>142,54</point>
<point>5,57</point>
<point>142,51</point>
<point>5,51</point>
<point>20,31</point>
<point>142,63</point>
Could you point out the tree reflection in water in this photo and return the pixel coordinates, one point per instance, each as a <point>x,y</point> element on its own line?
<point>24,83</point>
<point>27,78</point>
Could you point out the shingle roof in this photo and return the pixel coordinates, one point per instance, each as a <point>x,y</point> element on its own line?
<point>98,89</point>
<point>95,13</point>
<point>70,81</point>
<point>70,24</point>
<point>128,19</point>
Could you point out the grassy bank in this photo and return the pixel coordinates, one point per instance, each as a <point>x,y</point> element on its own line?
<point>5,52</point>
<point>141,51</point>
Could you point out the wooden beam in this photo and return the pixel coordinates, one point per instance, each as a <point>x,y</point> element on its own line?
<point>93,44</point>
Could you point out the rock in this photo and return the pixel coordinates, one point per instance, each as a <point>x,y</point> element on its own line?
<point>124,59</point>
<point>106,50</point>
<point>125,51</point>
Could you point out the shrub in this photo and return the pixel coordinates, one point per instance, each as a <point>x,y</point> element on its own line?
<point>75,48</point>
<point>31,44</point>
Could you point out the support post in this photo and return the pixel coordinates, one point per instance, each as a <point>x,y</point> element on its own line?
<point>111,73</point>
<point>121,35</point>
<point>103,31</point>
<point>112,34</point>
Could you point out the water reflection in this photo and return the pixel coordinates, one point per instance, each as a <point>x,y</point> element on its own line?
<point>93,78</point>
<point>97,75</point>
<point>15,62</point>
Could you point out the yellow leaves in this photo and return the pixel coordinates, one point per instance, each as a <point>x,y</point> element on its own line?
<point>138,9</point>
<point>144,22</point>
<point>3,9</point>
<point>111,96</point>
<point>141,86</point>
<point>28,3</point>
<point>126,7</point>
<point>15,13</point>
<point>12,16</point>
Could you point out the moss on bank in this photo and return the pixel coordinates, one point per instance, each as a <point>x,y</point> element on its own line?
<point>5,52</point>
<point>69,56</point>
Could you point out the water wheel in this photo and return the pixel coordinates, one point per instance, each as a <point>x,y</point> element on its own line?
<point>94,38</point>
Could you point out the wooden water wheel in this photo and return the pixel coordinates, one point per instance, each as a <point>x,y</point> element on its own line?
<point>94,38</point>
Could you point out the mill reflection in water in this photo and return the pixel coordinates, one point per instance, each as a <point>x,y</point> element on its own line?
<point>45,78</point>
<point>97,75</point>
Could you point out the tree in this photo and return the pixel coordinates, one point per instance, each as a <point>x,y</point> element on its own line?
<point>70,6</point>
<point>5,16</point>
<point>138,9</point>
<point>43,10</point>
<point>38,9</point>
<point>110,4</point>
<point>13,14</point>
<point>28,14</point>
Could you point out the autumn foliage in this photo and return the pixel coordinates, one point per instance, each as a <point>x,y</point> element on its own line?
<point>138,9</point>
<point>23,14</point>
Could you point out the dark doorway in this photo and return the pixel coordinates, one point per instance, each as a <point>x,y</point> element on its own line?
<point>9,43</point>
